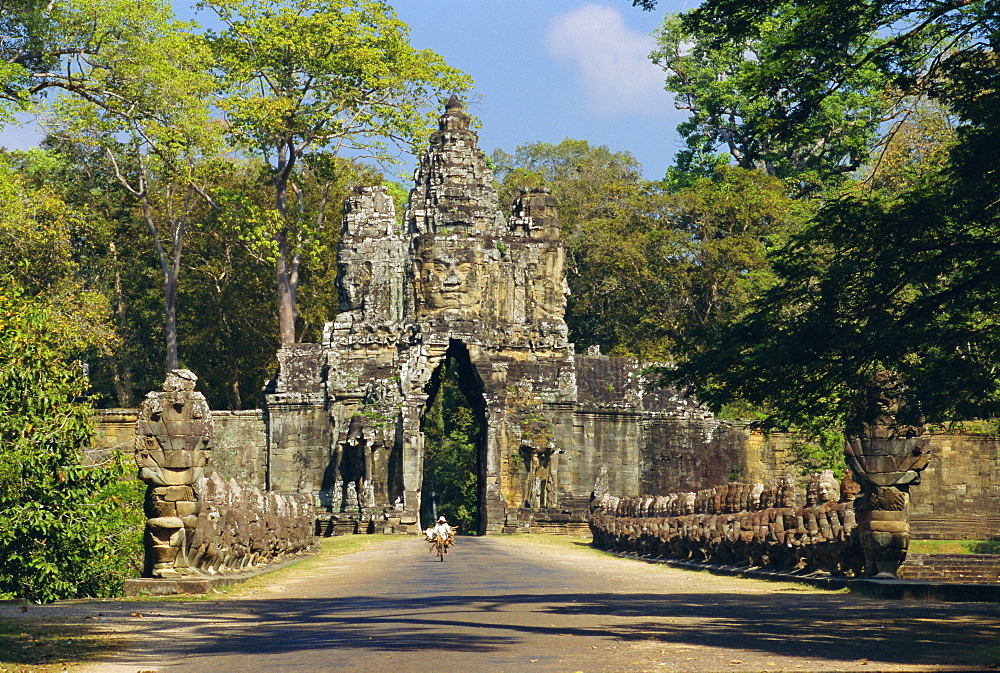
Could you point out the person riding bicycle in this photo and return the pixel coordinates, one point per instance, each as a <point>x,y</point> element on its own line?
<point>443,530</point>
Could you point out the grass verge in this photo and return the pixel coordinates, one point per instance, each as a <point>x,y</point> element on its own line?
<point>955,546</point>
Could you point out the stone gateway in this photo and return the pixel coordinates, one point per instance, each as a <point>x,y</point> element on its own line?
<point>458,281</point>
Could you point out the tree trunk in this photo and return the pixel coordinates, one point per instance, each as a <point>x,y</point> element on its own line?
<point>286,291</point>
<point>170,317</point>
<point>286,267</point>
<point>121,372</point>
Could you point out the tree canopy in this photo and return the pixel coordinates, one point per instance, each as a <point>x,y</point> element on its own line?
<point>319,77</point>
<point>898,279</point>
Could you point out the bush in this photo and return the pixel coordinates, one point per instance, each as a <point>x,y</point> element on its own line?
<point>67,529</point>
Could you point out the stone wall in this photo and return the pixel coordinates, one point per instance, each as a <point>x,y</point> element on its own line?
<point>959,496</point>
<point>239,449</point>
<point>959,493</point>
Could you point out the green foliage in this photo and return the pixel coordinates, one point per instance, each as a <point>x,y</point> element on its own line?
<point>452,435</point>
<point>955,546</point>
<point>301,78</point>
<point>823,451</point>
<point>654,269</point>
<point>918,145</point>
<point>583,178</point>
<point>900,276</point>
<point>735,105</point>
<point>904,283</point>
<point>660,273</point>
<point>148,112</point>
<point>67,529</point>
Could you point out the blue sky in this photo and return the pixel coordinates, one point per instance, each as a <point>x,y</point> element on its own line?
<point>544,70</point>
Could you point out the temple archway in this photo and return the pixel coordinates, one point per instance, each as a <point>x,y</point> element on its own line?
<point>456,288</point>
<point>454,446</point>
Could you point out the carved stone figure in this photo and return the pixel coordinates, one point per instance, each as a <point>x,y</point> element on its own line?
<point>886,454</point>
<point>351,502</point>
<point>367,494</point>
<point>447,274</point>
<point>197,521</point>
<point>172,439</point>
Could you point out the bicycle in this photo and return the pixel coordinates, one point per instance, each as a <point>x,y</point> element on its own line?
<point>440,546</point>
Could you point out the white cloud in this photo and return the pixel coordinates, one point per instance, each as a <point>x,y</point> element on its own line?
<point>612,61</point>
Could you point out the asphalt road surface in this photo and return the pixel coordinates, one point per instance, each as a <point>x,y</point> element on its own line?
<point>521,604</point>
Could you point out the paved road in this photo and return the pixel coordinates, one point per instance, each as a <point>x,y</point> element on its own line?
<point>513,604</point>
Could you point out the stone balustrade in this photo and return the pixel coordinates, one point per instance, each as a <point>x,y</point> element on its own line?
<point>740,525</point>
<point>242,527</point>
<point>198,523</point>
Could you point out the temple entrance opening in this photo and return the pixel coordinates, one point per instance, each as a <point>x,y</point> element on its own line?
<point>454,428</point>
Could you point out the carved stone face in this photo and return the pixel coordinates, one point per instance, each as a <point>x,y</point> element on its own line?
<point>354,280</point>
<point>448,276</point>
<point>829,488</point>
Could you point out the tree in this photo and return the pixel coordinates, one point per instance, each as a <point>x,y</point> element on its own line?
<point>904,283</point>
<point>227,322</point>
<point>111,256</point>
<point>602,200</point>
<point>38,232</point>
<point>919,144</point>
<point>734,105</point>
<point>148,111</point>
<point>68,528</point>
<point>661,273</point>
<point>654,269</point>
<point>61,45</point>
<point>900,281</point>
<point>318,76</point>
<point>582,177</point>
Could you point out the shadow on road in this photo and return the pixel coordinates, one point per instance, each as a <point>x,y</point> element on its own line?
<point>826,626</point>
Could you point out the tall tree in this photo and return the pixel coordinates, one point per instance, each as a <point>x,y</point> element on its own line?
<point>62,45</point>
<point>663,272</point>
<point>111,256</point>
<point>896,280</point>
<point>318,76</point>
<point>148,111</point>
<point>734,106</point>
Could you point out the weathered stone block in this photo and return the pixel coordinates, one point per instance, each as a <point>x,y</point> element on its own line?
<point>177,493</point>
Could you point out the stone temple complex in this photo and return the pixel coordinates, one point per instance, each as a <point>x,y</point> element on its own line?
<point>565,439</point>
<point>458,281</point>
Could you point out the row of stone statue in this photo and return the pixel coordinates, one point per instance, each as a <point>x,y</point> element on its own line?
<point>198,522</point>
<point>740,525</point>
<point>238,528</point>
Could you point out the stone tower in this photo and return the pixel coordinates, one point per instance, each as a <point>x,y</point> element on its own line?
<point>455,279</point>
